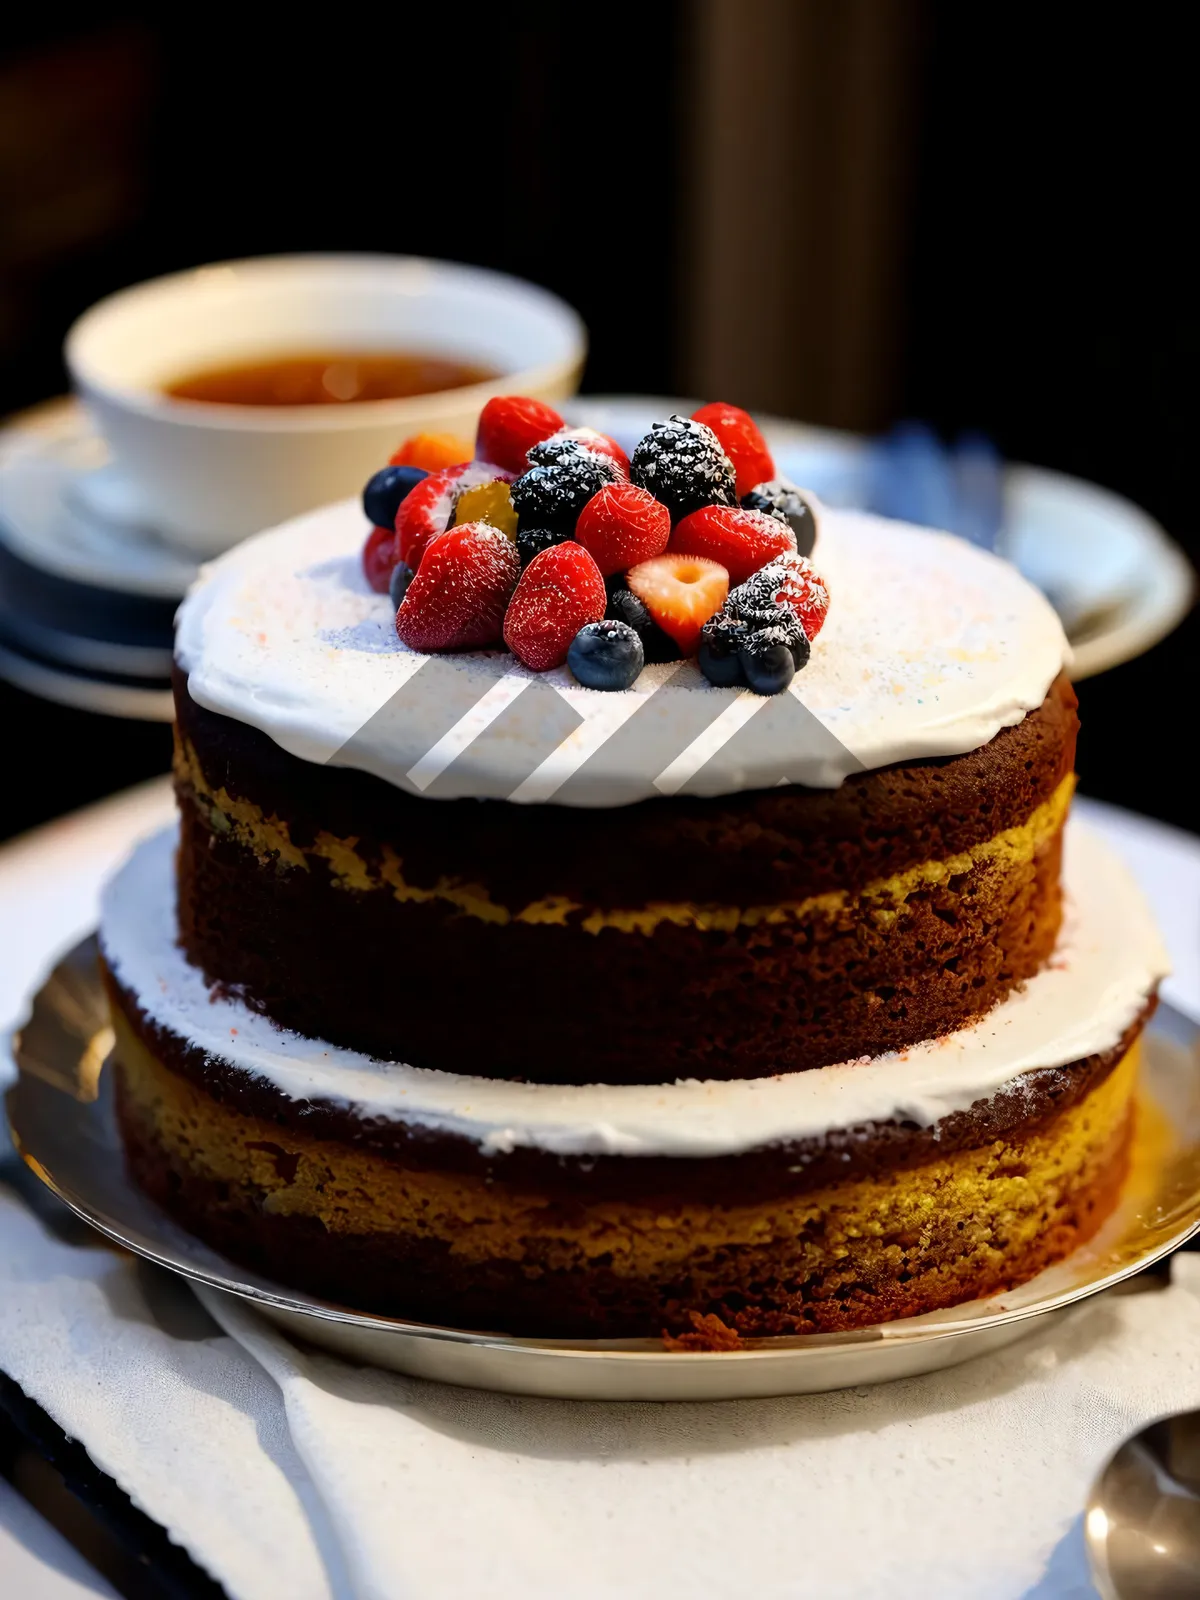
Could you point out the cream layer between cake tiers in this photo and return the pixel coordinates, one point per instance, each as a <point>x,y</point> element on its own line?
<point>930,648</point>
<point>1108,962</point>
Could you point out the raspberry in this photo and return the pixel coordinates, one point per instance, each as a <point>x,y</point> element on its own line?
<point>457,599</point>
<point>682,464</point>
<point>791,581</point>
<point>560,591</point>
<point>741,441</point>
<point>431,451</point>
<point>742,541</point>
<point>569,440</point>
<point>782,500</point>
<point>552,496</point>
<point>509,426</point>
<point>427,509</point>
<point>680,593</point>
<point>378,558</point>
<point>623,525</point>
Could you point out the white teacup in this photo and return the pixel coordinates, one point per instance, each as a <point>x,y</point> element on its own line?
<point>206,475</point>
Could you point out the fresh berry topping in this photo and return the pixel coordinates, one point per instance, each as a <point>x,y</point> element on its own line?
<point>742,541</point>
<point>560,591</point>
<point>624,606</point>
<point>532,541</point>
<point>432,452</point>
<point>490,503</point>
<point>402,576</point>
<point>721,638</point>
<point>780,499</point>
<point>741,441</point>
<point>680,593</point>
<point>427,509</point>
<point>457,600</point>
<point>569,441</point>
<point>378,558</point>
<point>790,581</point>
<point>509,427</point>
<point>682,464</point>
<point>623,525</point>
<point>606,655</point>
<point>384,492</point>
<point>767,661</point>
<point>552,496</point>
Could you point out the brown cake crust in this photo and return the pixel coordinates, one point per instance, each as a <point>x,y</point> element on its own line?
<point>771,931</point>
<point>914,1220</point>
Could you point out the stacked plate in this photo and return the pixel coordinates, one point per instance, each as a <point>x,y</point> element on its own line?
<point>87,597</point>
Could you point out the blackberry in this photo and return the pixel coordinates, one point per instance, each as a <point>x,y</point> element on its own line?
<point>681,463</point>
<point>606,655</point>
<point>624,606</point>
<point>721,638</point>
<point>767,661</point>
<point>532,541</point>
<point>783,501</point>
<point>754,603</point>
<point>557,448</point>
<point>552,496</point>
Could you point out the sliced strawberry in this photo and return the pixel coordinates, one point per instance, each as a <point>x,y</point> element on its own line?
<point>432,452</point>
<point>512,424</point>
<point>741,440</point>
<point>680,593</point>
<point>560,590</point>
<point>458,598</point>
<point>742,541</point>
<point>598,443</point>
<point>802,589</point>
<point>379,557</point>
<point>427,509</point>
<point>623,525</point>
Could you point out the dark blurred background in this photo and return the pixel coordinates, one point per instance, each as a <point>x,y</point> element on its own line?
<point>848,211</point>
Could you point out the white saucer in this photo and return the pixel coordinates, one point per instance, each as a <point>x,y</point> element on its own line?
<point>1116,579</point>
<point>61,509</point>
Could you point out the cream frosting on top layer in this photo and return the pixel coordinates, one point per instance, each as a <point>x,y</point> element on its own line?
<point>1108,961</point>
<point>930,648</point>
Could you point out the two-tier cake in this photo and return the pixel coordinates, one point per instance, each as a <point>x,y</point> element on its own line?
<point>581,989</point>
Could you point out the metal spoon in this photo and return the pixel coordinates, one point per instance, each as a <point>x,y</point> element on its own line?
<point>1143,1515</point>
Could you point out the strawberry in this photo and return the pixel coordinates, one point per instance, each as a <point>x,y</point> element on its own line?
<point>560,590</point>
<point>510,425</point>
<point>427,509</point>
<point>680,593</point>
<point>741,441</point>
<point>598,443</point>
<point>379,557</point>
<point>431,451</point>
<point>742,541</point>
<point>803,590</point>
<point>457,600</point>
<point>623,525</point>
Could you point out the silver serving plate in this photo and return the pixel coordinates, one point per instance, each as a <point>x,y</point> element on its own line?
<point>62,1120</point>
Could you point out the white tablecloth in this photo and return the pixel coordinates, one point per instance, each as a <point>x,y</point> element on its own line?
<point>287,1473</point>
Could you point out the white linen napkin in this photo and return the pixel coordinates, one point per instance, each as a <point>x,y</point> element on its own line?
<point>287,1473</point>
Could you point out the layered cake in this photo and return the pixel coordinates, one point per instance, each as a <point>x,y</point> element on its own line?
<point>609,906</point>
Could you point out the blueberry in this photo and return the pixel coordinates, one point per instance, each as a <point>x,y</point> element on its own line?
<point>782,500</point>
<point>624,606</point>
<point>720,640</point>
<point>552,496</point>
<point>402,576</point>
<point>681,463</point>
<point>606,655</point>
<point>767,661</point>
<point>532,541</point>
<point>383,494</point>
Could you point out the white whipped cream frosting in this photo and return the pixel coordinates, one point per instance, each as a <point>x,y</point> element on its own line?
<point>1108,961</point>
<point>930,648</point>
